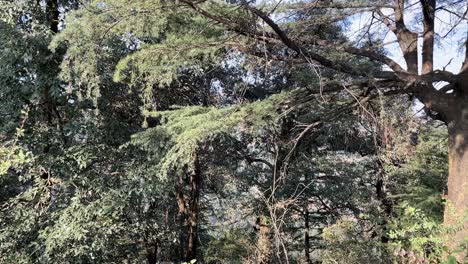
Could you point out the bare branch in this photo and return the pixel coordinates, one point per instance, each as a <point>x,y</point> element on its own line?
<point>428,7</point>
<point>408,40</point>
<point>387,21</point>
<point>464,67</point>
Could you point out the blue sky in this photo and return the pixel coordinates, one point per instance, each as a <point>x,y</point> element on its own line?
<point>448,49</point>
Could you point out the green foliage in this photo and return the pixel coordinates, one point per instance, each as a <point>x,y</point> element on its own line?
<point>101,169</point>
<point>161,39</point>
<point>233,247</point>
<point>415,231</point>
<point>13,157</point>
<point>421,183</point>
<point>183,130</point>
<point>345,244</point>
<point>423,176</point>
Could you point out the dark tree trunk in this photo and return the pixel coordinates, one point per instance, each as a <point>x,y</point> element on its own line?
<point>385,203</point>
<point>306,234</point>
<point>152,253</point>
<point>193,214</point>
<point>53,15</point>
<point>263,241</point>
<point>457,197</point>
<point>189,209</point>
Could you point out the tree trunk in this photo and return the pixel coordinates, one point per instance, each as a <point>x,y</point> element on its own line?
<point>306,234</point>
<point>193,213</point>
<point>53,15</point>
<point>263,241</point>
<point>457,197</point>
<point>189,209</point>
<point>152,253</point>
<point>385,203</point>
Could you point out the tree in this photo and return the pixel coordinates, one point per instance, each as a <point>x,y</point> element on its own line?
<point>219,131</point>
<point>448,104</point>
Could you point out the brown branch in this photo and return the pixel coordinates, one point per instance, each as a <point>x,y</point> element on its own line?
<point>435,100</point>
<point>345,68</point>
<point>464,67</point>
<point>439,76</point>
<point>407,40</point>
<point>428,7</point>
<point>321,5</point>
<point>362,52</point>
<point>387,21</point>
<point>399,8</point>
<point>264,36</point>
<point>447,88</point>
<point>280,35</point>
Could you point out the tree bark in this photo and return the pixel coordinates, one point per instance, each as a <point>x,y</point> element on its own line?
<point>193,214</point>
<point>189,209</point>
<point>306,234</point>
<point>263,241</point>
<point>428,7</point>
<point>407,40</point>
<point>152,253</point>
<point>457,198</point>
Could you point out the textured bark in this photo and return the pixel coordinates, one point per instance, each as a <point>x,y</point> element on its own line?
<point>306,235</point>
<point>409,45</point>
<point>407,40</point>
<point>193,214</point>
<point>189,209</point>
<point>428,35</point>
<point>263,242</point>
<point>53,15</point>
<point>152,254</point>
<point>457,197</point>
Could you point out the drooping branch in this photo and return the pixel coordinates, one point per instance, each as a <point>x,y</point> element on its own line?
<point>406,39</point>
<point>280,35</point>
<point>231,25</point>
<point>325,43</point>
<point>298,49</point>
<point>364,53</point>
<point>342,5</point>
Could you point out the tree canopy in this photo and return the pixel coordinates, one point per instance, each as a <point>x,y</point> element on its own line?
<point>233,131</point>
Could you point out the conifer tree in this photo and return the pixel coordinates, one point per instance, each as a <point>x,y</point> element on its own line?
<point>225,132</point>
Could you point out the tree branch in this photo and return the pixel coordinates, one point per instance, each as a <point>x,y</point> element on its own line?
<point>294,46</point>
<point>408,40</point>
<point>464,67</point>
<point>428,7</point>
<point>364,53</point>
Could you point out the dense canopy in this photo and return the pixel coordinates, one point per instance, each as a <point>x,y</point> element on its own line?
<point>214,131</point>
